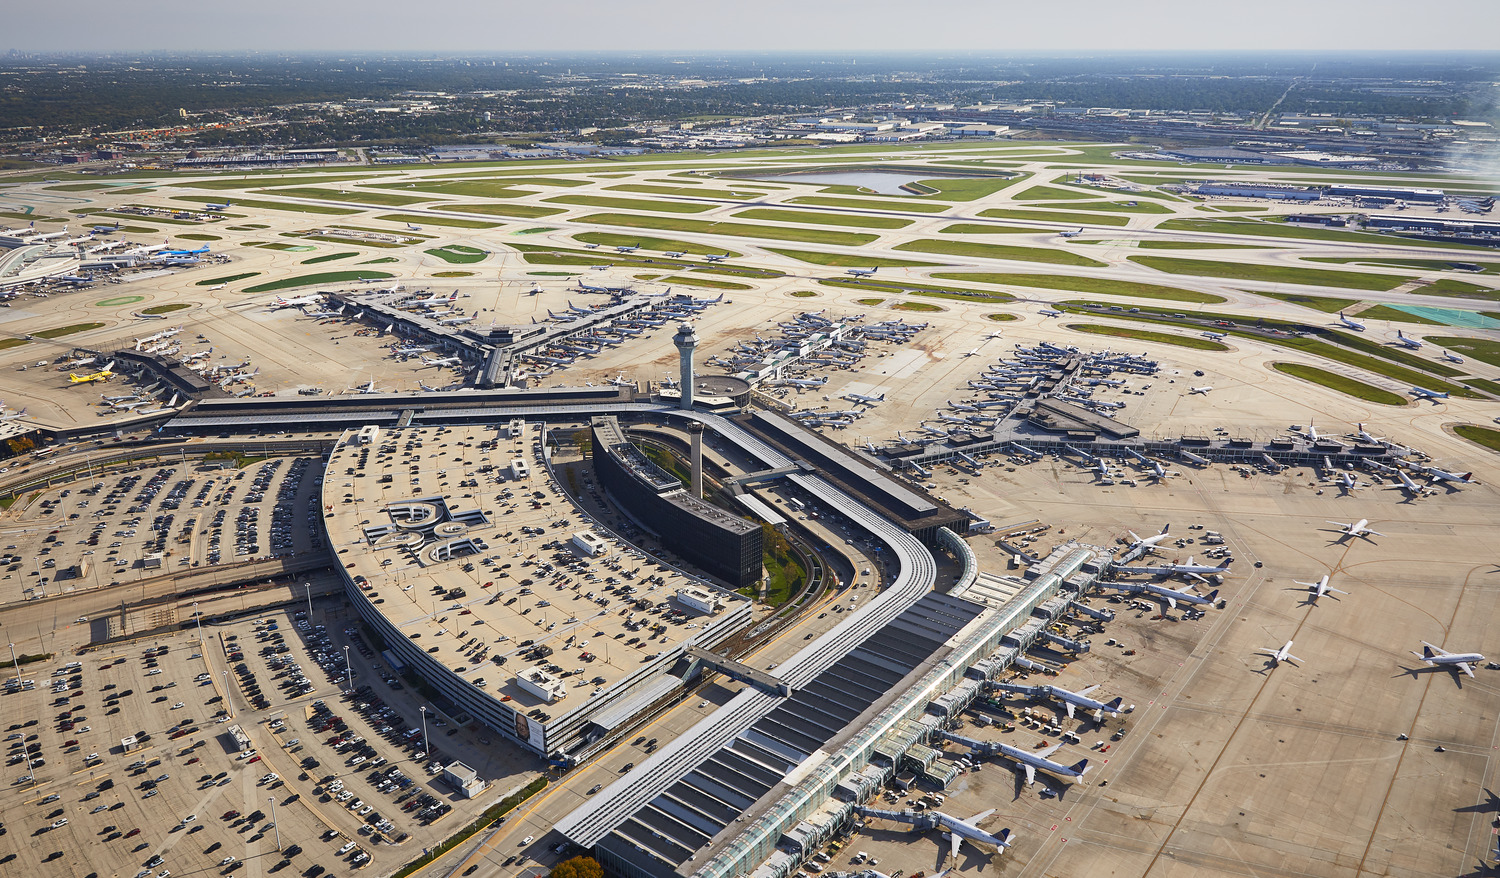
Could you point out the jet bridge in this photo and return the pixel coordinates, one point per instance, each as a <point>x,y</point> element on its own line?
<point>739,671</point>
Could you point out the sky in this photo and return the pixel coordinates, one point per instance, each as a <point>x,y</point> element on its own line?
<point>997,26</point>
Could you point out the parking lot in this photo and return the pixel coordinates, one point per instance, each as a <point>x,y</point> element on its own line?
<point>127,755</point>
<point>124,526</point>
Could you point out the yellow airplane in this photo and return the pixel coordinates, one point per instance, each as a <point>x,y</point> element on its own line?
<point>102,375</point>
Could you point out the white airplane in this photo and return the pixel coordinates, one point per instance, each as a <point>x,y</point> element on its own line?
<point>1407,341</point>
<point>1444,476</point>
<point>1452,357</point>
<point>218,287</point>
<point>627,248</point>
<point>1214,335</point>
<point>863,272</point>
<point>1319,588</point>
<point>1030,762</point>
<point>442,361</point>
<point>456,321</point>
<point>1347,482</point>
<point>1351,323</point>
<point>956,830</point>
<point>1436,656</point>
<point>170,406</point>
<point>1071,700</point>
<point>1172,595</point>
<point>862,398</point>
<point>434,301</point>
<point>1205,389</point>
<point>1357,529</point>
<point>412,228</point>
<point>216,207</point>
<point>716,257</point>
<point>673,254</point>
<point>279,303</point>
<point>11,416</point>
<point>1366,437</point>
<point>1281,655</point>
<point>1139,544</point>
<point>1424,393</point>
<point>368,388</point>
<point>1050,312</point>
<point>1408,485</point>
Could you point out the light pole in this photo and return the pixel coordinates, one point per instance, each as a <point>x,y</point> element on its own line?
<point>228,702</point>
<point>426,748</point>
<point>308,586</point>
<point>272,800</point>
<point>348,671</point>
<point>199,619</point>
<point>17,666</point>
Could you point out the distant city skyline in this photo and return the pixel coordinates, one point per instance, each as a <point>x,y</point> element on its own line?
<point>841,26</point>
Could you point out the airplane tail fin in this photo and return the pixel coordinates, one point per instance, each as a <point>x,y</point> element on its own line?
<point>1467,476</point>
<point>1427,652</point>
<point>1004,838</point>
<point>1114,706</point>
<point>1212,596</point>
<point>1080,767</point>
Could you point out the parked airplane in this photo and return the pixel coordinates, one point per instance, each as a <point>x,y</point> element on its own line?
<point>11,416</point>
<point>1357,529</point>
<point>1139,545</point>
<point>433,301</point>
<point>197,252</point>
<point>1452,357</point>
<point>1031,762</point>
<point>1281,655</point>
<point>955,829</point>
<point>1319,588</point>
<point>443,361</point>
<point>1071,700</point>
<point>1407,341</point>
<point>864,399</point>
<point>1436,656</point>
<point>102,375</point>
<point>1351,323</point>
<point>1204,390</point>
<point>279,303</point>
<point>1424,393</point>
<point>456,321</point>
<point>863,272</point>
<point>1171,595</point>
<point>162,409</point>
<point>1445,476</point>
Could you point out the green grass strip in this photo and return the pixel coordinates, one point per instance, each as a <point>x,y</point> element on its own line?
<point>70,329</point>
<point>739,230</point>
<point>955,293</point>
<point>845,260</point>
<point>1396,315</point>
<point>225,279</point>
<point>1182,341</point>
<point>988,229</point>
<point>327,277</point>
<point>706,282</point>
<point>1479,435</point>
<point>1043,193</point>
<point>1097,285</point>
<point>329,257</point>
<point>457,255</point>
<point>1082,219</point>
<point>1342,383</point>
<point>1197,245</point>
<point>1422,264</point>
<point>1482,349</point>
<point>166,309</point>
<point>1272,273</point>
<point>869,203</point>
<point>665,245</point>
<point>268,205</point>
<point>1326,304</point>
<point>631,203</point>
<point>825,219</point>
<point>417,219</point>
<point>358,196</point>
<point>999,251</point>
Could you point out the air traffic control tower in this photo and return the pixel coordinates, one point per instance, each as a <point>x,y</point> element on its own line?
<point>686,340</point>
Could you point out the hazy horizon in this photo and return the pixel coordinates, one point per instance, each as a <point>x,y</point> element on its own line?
<point>806,26</point>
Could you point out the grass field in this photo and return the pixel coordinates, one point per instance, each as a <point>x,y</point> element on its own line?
<point>981,250</point>
<point>1326,304</point>
<point>198,236</point>
<point>1101,286</point>
<point>417,218</point>
<point>471,188</point>
<point>1097,219</point>
<point>1045,193</point>
<point>804,294</point>
<point>456,254</point>
<point>869,203</point>
<point>1295,230</point>
<point>261,182</point>
<point>958,294</point>
<point>1447,286</point>
<point>453,274</point>
<point>966,188</point>
<point>825,219</point>
<point>329,257</point>
<point>738,230</point>
<point>1481,349</point>
<point>520,181</point>
<point>326,277</point>
<point>1182,341</point>
<point>1396,315</point>
<point>1341,383</point>
<point>1422,264</point>
<point>1352,280</point>
<point>380,260</point>
<point>707,282</point>
<point>631,203</point>
<point>987,229</point>
<point>843,260</point>
<point>665,245</point>
<point>1479,435</point>
<point>70,329</point>
<point>267,205</point>
<point>226,279</point>
<point>868,302</point>
<point>916,306</point>
<point>166,309</point>
<point>1000,317</point>
<point>1197,245</point>
<point>517,211</point>
<point>1112,206</point>
<point>648,189</point>
<point>358,196</point>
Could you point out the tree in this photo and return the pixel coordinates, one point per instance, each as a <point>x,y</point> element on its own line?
<point>578,867</point>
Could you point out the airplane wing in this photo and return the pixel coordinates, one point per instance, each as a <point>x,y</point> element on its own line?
<point>1086,690</point>
<point>1172,602</point>
<point>1371,533</point>
<point>1264,651</point>
<point>1437,649</point>
<point>1030,773</point>
<point>1311,585</point>
<point>1069,705</point>
<point>1344,525</point>
<point>1050,750</point>
<point>980,816</point>
<point>954,840</point>
<point>1292,658</point>
<point>1465,667</point>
